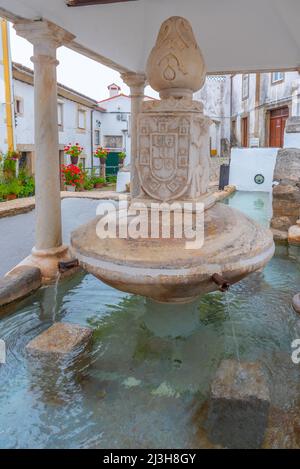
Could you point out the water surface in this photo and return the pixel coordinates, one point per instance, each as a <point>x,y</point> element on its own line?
<point>149,370</point>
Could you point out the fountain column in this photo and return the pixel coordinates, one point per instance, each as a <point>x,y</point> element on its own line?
<point>136,83</point>
<point>176,236</point>
<point>46,38</point>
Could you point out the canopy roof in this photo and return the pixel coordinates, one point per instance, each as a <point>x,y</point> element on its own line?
<point>234,35</point>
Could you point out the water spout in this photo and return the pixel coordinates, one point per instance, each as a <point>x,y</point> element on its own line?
<point>222,283</point>
<point>65,266</point>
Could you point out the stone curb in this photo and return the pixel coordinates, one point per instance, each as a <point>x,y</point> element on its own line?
<point>19,283</point>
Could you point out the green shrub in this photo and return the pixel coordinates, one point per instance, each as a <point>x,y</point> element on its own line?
<point>11,187</point>
<point>99,180</point>
<point>88,184</point>
<point>111,179</point>
<point>27,187</point>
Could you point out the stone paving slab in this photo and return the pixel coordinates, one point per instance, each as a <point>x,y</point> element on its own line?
<point>18,206</point>
<point>239,406</point>
<point>60,339</point>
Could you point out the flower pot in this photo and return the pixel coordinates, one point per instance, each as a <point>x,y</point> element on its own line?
<point>99,185</point>
<point>71,188</point>
<point>10,197</point>
<point>103,161</point>
<point>74,159</point>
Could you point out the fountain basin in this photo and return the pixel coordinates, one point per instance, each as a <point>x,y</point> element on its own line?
<point>164,270</point>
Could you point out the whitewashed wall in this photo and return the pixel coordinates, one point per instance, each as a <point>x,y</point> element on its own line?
<point>246,163</point>
<point>114,125</point>
<point>106,122</point>
<point>271,96</point>
<point>215,95</point>
<point>243,107</point>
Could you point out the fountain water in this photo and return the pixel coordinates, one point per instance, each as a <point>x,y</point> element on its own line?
<point>173,166</point>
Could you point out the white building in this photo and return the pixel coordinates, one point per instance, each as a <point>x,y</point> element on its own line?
<point>81,120</point>
<point>261,105</point>
<point>116,124</point>
<point>215,96</point>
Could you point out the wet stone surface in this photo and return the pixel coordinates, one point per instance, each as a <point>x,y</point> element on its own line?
<point>239,406</point>
<point>19,283</point>
<point>60,339</point>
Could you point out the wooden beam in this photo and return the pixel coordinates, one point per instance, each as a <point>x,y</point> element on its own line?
<point>82,3</point>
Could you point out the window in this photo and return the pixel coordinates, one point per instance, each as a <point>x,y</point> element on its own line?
<point>113,141</point>
<point>19,106</point>
<point>60,115</point>
<point>245,86</point>
<point>277,77</point>
<point>233,133</point>
<point>81,119</point>
<point>97,137</point>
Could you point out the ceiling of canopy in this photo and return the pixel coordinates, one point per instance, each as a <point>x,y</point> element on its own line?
<point>234,35</point>
<point>78,3</point>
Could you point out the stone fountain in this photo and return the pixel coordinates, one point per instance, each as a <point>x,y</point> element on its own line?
<point>173,167</point>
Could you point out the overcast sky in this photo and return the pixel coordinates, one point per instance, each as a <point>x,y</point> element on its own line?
<point>75,70</point>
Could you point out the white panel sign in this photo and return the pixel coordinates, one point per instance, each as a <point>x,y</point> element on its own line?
<point>252,169</point>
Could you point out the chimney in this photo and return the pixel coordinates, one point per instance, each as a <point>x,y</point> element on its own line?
<point>114,90</point>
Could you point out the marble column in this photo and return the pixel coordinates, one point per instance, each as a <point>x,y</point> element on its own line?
<point>136,83</point>
<point>46,38</point>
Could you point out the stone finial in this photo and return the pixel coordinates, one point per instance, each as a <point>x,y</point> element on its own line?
<point>176,66</point>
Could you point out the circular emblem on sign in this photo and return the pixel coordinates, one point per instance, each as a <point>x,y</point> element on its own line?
<point>259,179</point>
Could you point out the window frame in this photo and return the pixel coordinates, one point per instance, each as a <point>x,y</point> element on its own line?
<point>279,80</point>
<point>245,95</point>
<point>112,136</point>
<point>79,111</point>
<point>19,113</point>
<point>98,138</point>
<point>60,105</point>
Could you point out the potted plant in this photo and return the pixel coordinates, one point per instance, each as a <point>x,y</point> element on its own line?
<point>73,177</point>
<point>102,154</point>
<point>99,183</point>
<point>74,151</point>
<point>11,190</point>
<point>122,156</point>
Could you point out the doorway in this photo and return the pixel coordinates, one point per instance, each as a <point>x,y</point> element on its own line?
<point>278,118</point>
<point>245,132</point>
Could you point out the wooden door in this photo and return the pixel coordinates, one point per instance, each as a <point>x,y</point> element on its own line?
<point>278,119</point>
<point>245,132</point>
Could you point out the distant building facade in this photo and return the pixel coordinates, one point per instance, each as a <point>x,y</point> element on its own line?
<point>80,120</point>
<point>261,105</point>
<point>216,95</point>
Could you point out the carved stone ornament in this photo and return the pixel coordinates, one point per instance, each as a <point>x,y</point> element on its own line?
<point>173,149</point>
<point>173,133</point>
<point>176,66</point>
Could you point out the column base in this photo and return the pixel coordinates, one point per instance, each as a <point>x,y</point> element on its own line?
<point>47,261</point>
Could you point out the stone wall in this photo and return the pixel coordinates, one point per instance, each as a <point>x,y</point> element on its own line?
<point>286,195</point>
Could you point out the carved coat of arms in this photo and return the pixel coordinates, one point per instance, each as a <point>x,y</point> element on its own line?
<point>163,162</point>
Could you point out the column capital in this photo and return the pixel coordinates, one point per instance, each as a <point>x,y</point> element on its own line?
<point>44,35</point>
<point>135,81</point>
